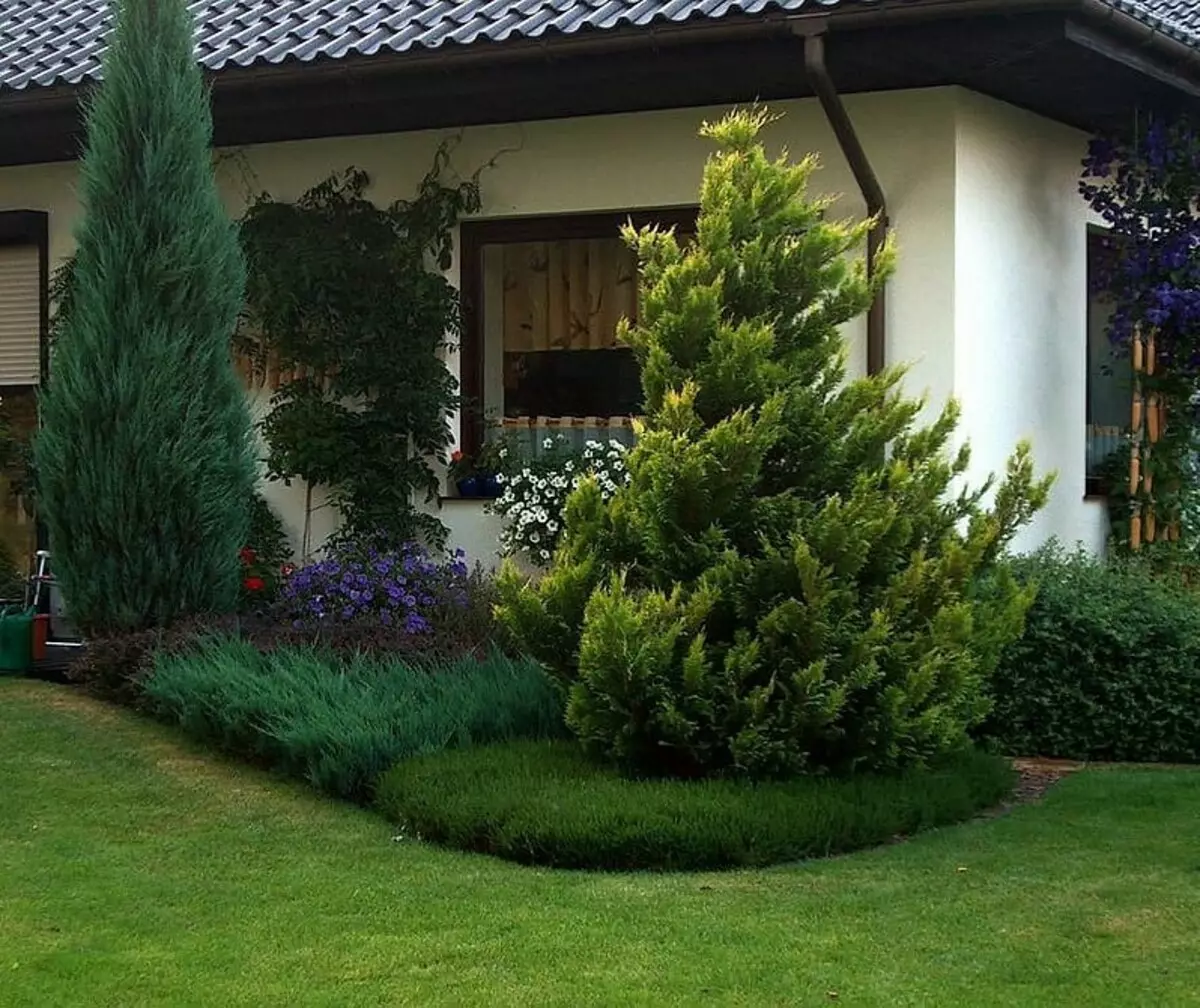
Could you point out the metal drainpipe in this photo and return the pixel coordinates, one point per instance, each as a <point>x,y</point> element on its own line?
<point>864,175</point>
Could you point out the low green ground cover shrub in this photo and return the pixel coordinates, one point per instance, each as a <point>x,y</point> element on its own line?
<point>340,722</point>
<point>546,803</point>
<point>1108,667</point>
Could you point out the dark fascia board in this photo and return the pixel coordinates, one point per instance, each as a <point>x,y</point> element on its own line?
<point>1113,47</point>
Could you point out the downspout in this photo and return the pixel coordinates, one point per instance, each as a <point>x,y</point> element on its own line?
<point>864,175</point>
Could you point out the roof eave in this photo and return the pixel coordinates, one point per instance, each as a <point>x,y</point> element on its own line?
<point>1160,47</point>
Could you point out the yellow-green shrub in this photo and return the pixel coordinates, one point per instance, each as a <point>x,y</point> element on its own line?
<point>788,581</point>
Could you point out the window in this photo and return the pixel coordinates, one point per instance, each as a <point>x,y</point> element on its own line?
<point>1109,380</point>
<point>22,324</point>
<point>542,298</point>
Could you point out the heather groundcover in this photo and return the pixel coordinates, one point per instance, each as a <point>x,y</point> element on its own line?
<point>339,721</point>
<point>545,803</point>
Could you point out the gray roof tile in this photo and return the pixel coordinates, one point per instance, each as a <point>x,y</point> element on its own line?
<point>49,42</point>
<point>1178,18</point>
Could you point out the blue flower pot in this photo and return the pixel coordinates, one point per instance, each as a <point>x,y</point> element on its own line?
<point>468,486</point>
<point>489,486</point>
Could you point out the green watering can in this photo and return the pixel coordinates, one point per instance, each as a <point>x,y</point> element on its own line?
<point>16,639</point>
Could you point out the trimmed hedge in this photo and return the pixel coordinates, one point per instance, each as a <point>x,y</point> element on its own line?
<point>339,723</point>
<point>1108,667</point>
<point>544,803</point>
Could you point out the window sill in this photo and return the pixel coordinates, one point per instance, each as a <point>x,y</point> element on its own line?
<point>456,499</point>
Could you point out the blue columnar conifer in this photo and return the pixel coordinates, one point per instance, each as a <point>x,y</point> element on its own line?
<point>144,460</point>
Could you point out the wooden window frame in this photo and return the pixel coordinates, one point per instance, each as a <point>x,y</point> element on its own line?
<point>1094,487</point>
<point>32,227</point>
<point>475,234</point>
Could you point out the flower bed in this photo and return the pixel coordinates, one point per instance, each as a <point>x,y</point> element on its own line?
<point>401,586</point>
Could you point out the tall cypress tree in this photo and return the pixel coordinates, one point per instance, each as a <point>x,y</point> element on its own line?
<point>144,460</point>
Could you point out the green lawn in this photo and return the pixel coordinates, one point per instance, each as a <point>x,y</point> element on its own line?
<point>135,871</point>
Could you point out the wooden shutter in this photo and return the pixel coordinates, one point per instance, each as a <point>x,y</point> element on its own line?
<point>20,315</point>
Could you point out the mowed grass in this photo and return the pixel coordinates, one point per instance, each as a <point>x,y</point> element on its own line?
<point>135,870</point>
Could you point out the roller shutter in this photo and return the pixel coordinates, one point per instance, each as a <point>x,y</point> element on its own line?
<point>20,315</point>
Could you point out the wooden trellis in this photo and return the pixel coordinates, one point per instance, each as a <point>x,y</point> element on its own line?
<point>264,371</point>
<point>1148,425</point>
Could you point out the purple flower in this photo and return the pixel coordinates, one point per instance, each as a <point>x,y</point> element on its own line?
<point>374,581</point>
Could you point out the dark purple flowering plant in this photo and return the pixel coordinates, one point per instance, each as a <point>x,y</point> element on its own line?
<point>401,587</point>
<point>1145,188</point>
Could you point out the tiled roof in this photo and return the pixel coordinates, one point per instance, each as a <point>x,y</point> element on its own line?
<point>1177,18</point>
<point>49,42</point>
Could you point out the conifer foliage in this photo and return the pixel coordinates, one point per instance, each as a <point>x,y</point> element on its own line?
<point>144,461</point>
<point>787,584</point>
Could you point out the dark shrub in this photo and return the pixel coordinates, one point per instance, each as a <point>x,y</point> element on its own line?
<point>113,667</point>
<point>340,724</point>
<point>545,803</point>
<point>264,556</point>
<point>267,536</point>
<point>1108,667</point>
<point>12,576</point>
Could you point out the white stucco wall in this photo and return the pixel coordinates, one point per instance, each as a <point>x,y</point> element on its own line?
<point>980,196</point>
<point>1020,304</point>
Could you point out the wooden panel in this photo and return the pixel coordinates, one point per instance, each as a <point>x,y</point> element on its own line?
<point>567,294</point>
<point>538,277</point>
<point>577,295</point>
<point>558,301</point>
<point>518,329</point>
<point>20,315</point>
<point>596,254</point>
<point>619,293</point>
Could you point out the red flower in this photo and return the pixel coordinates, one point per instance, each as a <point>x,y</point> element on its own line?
<point>254,584</point>
<point>248,555</point>
<point>287,570</point>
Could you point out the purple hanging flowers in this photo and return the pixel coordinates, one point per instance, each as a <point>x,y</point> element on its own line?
<point>1145,190</point>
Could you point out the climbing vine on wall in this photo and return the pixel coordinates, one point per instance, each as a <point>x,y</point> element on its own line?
<point>1145,188</point>
<point>348,301</point>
